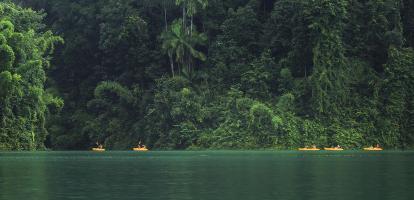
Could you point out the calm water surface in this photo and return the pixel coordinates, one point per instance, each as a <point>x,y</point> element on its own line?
<point>256,175</point>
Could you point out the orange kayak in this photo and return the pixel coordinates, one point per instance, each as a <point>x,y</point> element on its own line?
<point>140,149</point>
<point>308,149</point>
<point>333,149</point>
<point>98,149</point>
<point>373,149</point>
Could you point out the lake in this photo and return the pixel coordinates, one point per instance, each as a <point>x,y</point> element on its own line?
<point>255,175</point>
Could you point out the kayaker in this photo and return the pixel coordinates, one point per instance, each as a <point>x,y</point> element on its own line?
<point>338,146</point>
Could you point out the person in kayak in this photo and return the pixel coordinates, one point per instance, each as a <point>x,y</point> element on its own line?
<point>99,145</point>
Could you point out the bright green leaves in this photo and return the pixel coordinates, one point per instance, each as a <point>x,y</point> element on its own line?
<point>23,101</point>
<point>7,58</point>
<point>54,104</point>
<point>6,28</point>
<point>48,41</point>
<point>263,124</point>
<point>7,55</point>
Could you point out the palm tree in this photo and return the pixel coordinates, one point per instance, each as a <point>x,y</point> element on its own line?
<point>176,42</point>
<point>190,9</point>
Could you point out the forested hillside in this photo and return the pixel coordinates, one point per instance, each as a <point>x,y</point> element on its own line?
<point>220,74</point>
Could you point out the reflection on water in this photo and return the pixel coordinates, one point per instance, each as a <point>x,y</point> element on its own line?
<point>207,175</point>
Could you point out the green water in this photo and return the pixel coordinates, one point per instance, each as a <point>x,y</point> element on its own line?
<point>256,175</point>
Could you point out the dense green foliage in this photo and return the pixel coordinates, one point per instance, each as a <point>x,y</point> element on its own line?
<point>180,74</point>
<point>24,57</point>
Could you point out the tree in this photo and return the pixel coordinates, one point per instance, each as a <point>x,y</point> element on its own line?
<point>371,27</point>
<point>190,8</point>
<point>398,93</point>
<point>116,122</point>
<point>165,5</point>
<point>182,45</point>
<point>175,115</point>
<point>24,59</point>
<point>296,73</point>
<point>328,79</point>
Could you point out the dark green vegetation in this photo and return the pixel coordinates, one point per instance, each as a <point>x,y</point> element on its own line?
<point>207,74</point>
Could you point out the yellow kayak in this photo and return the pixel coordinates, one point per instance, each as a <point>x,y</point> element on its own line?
<point>98,149</point>
<point>333,149</point>
<point>373,149</point>
<point>140,149</point>
<point>308,149</point>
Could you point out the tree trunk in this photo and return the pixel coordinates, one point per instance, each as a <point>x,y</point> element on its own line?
<point>171,63</point>
<point>191,26</point>
<point>169,53</point>
<point>165,19</point>
<point>184,25</point>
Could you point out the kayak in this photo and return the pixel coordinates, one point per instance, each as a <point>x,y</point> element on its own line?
<point>308,149</point>
<point>373,149</point>
<point>98,149</point>
<point>333,149</point>
<point>140,149</point>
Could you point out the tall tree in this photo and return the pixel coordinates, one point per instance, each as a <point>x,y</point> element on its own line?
<point>24,59</point>
<point>398,95</point>
<point>190,8</point>
<point>328,79</point>
<point>182,45</point>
